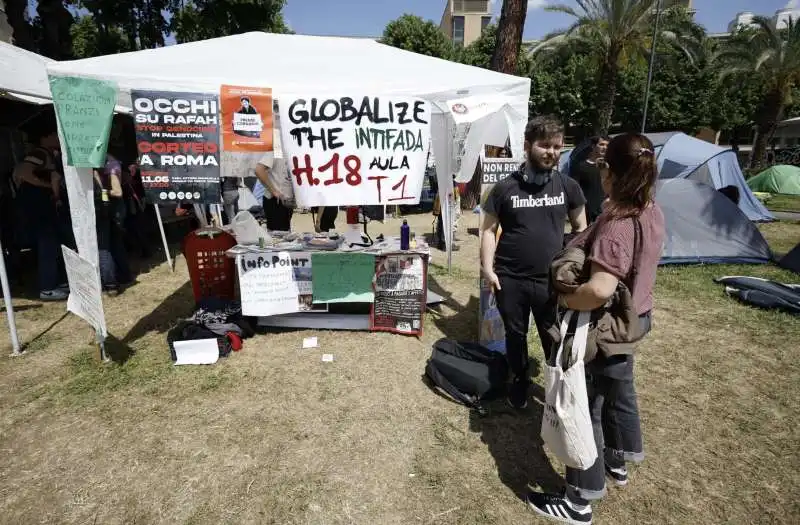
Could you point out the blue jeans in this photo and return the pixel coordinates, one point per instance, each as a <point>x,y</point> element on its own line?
<point>615,422</point>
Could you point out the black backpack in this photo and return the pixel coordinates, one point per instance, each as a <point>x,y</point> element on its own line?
<point>468,372</point>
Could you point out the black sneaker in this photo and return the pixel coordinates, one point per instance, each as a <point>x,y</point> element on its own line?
<point>518,395</point>
<point>556,507</point>
<point>619,476</point>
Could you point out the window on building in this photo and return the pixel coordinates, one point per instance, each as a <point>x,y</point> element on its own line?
<point>485,21</point>
<point>458,30</point>
<point>470,6</point>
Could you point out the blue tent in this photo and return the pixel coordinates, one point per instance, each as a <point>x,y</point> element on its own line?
<point>683,157</point>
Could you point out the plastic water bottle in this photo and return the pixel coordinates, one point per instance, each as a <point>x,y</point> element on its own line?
<point>405,235</point>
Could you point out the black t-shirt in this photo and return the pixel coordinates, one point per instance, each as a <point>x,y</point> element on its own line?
<point>532,218</point>
<point>587,174</point>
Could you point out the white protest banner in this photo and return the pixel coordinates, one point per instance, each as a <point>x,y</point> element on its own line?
<point>266,283</point>
<point>353,150</point>
<point>85,299</point>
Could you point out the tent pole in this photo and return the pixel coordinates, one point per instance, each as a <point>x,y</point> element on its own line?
<point>164,238</point>
<point>652,65</point>
<point>12,325</point>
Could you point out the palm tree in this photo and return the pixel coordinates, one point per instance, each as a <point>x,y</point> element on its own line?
<point>614,30</point>
<point>509,36</point>
<point>774,55</point>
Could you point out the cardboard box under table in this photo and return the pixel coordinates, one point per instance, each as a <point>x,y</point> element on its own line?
<point>376,289</point>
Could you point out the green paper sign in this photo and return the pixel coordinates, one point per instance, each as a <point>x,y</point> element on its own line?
<point>85,109</point>
<point>342,277</point>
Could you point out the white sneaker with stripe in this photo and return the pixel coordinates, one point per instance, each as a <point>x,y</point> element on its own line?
<point>557,507</point>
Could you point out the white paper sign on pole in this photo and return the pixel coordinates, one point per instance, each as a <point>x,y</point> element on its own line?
<point>351,150</point>
<point>85,299</point>
<point>266,283</point>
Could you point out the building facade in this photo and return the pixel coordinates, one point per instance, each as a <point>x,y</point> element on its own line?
<point>463,21</point>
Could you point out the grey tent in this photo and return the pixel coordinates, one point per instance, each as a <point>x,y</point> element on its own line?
<point>704,226</point>
<point>680,156</point>
<point>791,261</point>
<point>683,157</point>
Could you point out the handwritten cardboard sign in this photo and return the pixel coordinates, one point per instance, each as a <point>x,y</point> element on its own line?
<point>85,299</point>
<point>355,149</point>
<point>342,277</point>
<point>177,135</point>
<point>266,283</point>
<point>85,108</point>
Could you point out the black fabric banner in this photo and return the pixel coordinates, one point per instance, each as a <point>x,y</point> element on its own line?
<point>177,136</point>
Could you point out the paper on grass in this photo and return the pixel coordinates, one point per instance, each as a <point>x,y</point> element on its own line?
<point>196,352</point>
<point>327,358</point>
<point>310,342</point>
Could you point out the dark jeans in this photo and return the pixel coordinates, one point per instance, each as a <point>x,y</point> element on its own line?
<point>110,217</point>
<point>516,300</point>
<point>42,216</point>
<point>615,422</point>
<point>328,220</point>
<point>279,217</point>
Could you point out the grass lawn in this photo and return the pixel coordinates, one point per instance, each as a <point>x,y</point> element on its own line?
<point>784,203</point>
<point>272,435</point>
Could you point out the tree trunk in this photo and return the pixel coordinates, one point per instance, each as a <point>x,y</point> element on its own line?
<point>607,93</point>
<point>766,123</point>
<point>509,36</point>
<point>15,14</point>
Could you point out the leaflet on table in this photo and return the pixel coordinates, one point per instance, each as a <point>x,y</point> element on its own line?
<point>355,149</point>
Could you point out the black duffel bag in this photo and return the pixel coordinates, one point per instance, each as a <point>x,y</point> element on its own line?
<point>467,372</point>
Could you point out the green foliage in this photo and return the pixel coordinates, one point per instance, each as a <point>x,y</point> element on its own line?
<point>479,53</point>
<point>412,33</point>
<point>88,41</point>
<point>203,19</point>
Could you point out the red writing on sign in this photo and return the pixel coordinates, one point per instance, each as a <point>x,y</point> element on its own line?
<point>305,174</point>
<point>175,147</point>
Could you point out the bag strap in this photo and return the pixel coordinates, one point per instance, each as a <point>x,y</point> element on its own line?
<point>637,244</point>
<point>564,329</point>
<point>442,382</point>
<point>581,337</point>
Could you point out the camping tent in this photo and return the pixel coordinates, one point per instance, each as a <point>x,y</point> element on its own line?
<point>781,179</point>
<point>299,64</point>
<point>704,226</point>
<point>791,261</point>
<point>683,157</point>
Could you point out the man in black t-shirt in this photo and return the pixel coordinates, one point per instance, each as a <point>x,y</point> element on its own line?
<point>531,208</point>
<point>587,174</point>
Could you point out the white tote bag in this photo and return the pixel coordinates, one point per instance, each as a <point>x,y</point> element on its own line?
<point>566,423</point>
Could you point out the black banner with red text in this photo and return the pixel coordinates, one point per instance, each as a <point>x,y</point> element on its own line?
<point>177,136</point>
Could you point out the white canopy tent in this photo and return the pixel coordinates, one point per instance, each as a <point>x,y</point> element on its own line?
<point>293,64</point>
<point>23,75</point>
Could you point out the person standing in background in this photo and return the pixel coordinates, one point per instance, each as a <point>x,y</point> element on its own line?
<point>587,174</point>
<point>325,218</point>
<point>278,197</point>
<point>530,207</point>
<point>39,193</point>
